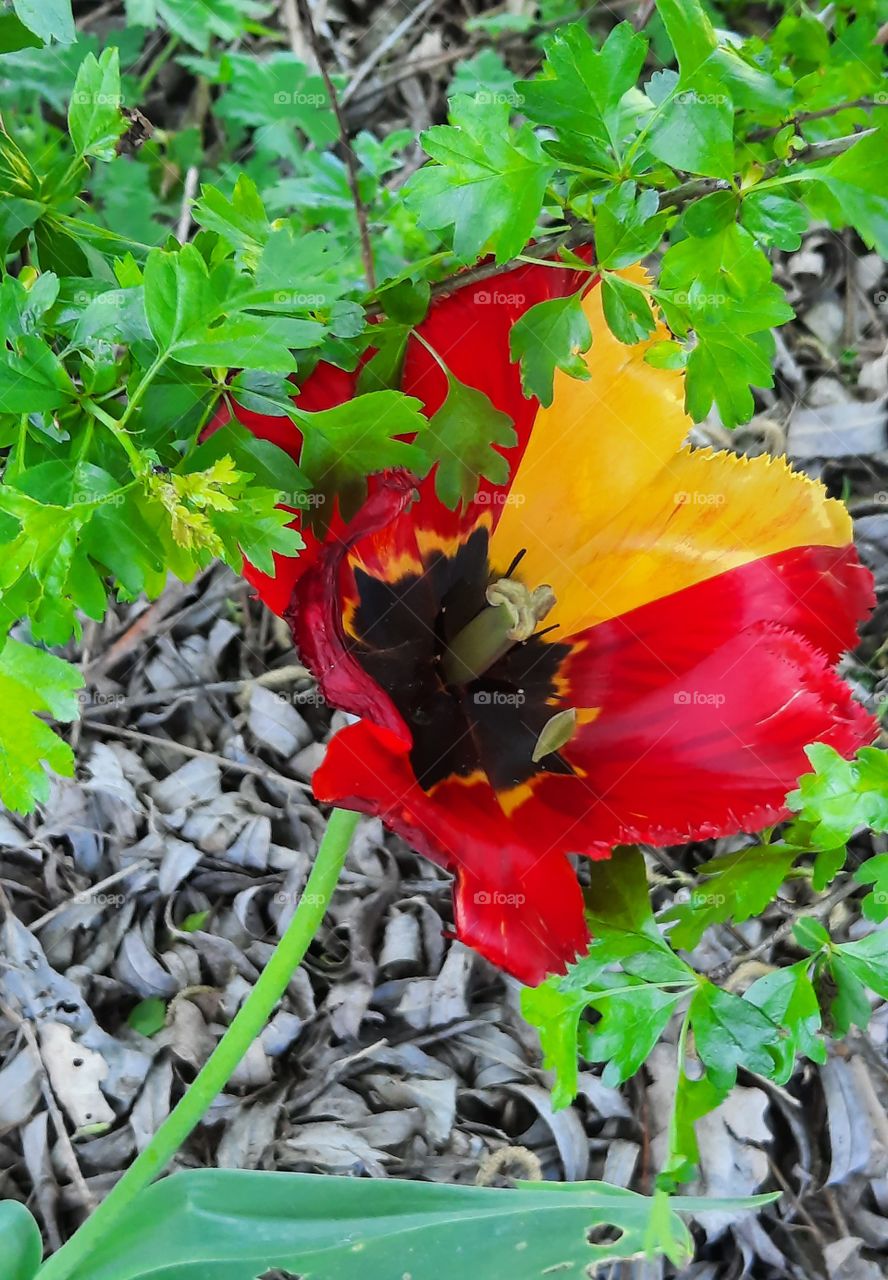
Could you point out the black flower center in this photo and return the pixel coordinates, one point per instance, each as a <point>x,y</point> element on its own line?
<point>401,633</point>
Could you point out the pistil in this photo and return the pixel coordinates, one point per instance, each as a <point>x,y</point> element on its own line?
<point>512,616</point>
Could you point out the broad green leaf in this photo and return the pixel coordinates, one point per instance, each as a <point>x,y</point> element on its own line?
<point>148,1017</point>
<point>695,132</point>
<point>775,220</point>
<point>626,310</point>
<point>268,464</point>
<point>857,181</point>
<point>274,94</point>
<point>32,378</point>
<point>626,228</point>
<point>867,959</point>
<point>730,1032</point>
<point>488,182</point>
<point>51,20</point>
<point>95,120</point>
<point>580,89</point>
<point>550,335</point>
<point>787,997</point>
<point>31,682</point>
<point>735,887</point>
<point>20,1241</point>
<point>342,446</point>
<point>460,442</point>
<point>690,32</point>
<point>841,796</point>
<point>242,220</point>
<point>14,35</point>
<point>721,368</point>
<point>373,1228</point>
<point>875,872</point>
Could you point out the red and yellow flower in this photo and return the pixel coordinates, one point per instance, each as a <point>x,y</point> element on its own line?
<point>698,602</point>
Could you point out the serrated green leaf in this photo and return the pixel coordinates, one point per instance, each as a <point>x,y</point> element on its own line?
<point>580,88</point>
<point>460,442</point>
<point>488,183</point>
<point>841,796</point>
<point>633,1016</point>
<point>550,335</point>
<point>51,20</point>
<point>32,682</point>
<point>856,180</point>
<point>626,310</point>
<point>627,228</point>
<point>95,120</point>
<point>735,887</point>
<point>875,872</point>
<point>729,1032</point>
<point>775,220</point>
<point>32,378</point>
<point>788,998</point>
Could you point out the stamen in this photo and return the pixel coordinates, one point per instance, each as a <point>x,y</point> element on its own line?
<point>511,618</point>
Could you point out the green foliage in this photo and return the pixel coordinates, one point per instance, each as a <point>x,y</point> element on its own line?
<point>31,682</point>
<point>549,336</point>
<point>364,1227</point>
<point>459,443</point>
<point>21,1242</point>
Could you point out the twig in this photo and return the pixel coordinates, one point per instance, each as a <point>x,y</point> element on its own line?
<point>815,910</point>
<point>267,774</point>
<point>350,166</point>
<point>189,191</point>
<point>94,889</point>
<point>166,697</point>
<point>383,47</point>
<point>803,117</point>
<point>677,198</point>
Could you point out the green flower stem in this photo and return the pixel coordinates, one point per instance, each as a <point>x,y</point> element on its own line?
<point>219,1067</point>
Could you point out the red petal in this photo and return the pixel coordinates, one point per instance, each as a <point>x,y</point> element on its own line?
<point>515,901</point>
<point>470,330</point>
<point>707,700</point>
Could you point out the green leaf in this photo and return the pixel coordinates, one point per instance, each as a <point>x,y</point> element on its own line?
<point>730,1032</point>
<point>20,1241</point>
<point>721,368</point>
<point>32,378</point>
<point>95,120</point>
<point>274,94</point>
<point>788,998</point>
<point>775,220</point>
<point>14,35</point>
<point>242,220</point>
<point>633,1017</point>
<point>460,442</point>
<point>695,131</point>
<point>374,1228</point>
<point>736,887</point>
<point>342,446</point>
<point>579,90</point>
<point>690,32</point>
<point>49,19</point>
<point>856,179</point>
<point>269,465</point>
<point>32,682</point>
<point>867,960</point>
<point>875,872</point>
<point>488,183</point>
<point>841,796</point>
<point>626,310</point>
<point>626,228</point>
<point>550,335</point>
<point>556,1013</point>
<point>148,1016</point>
